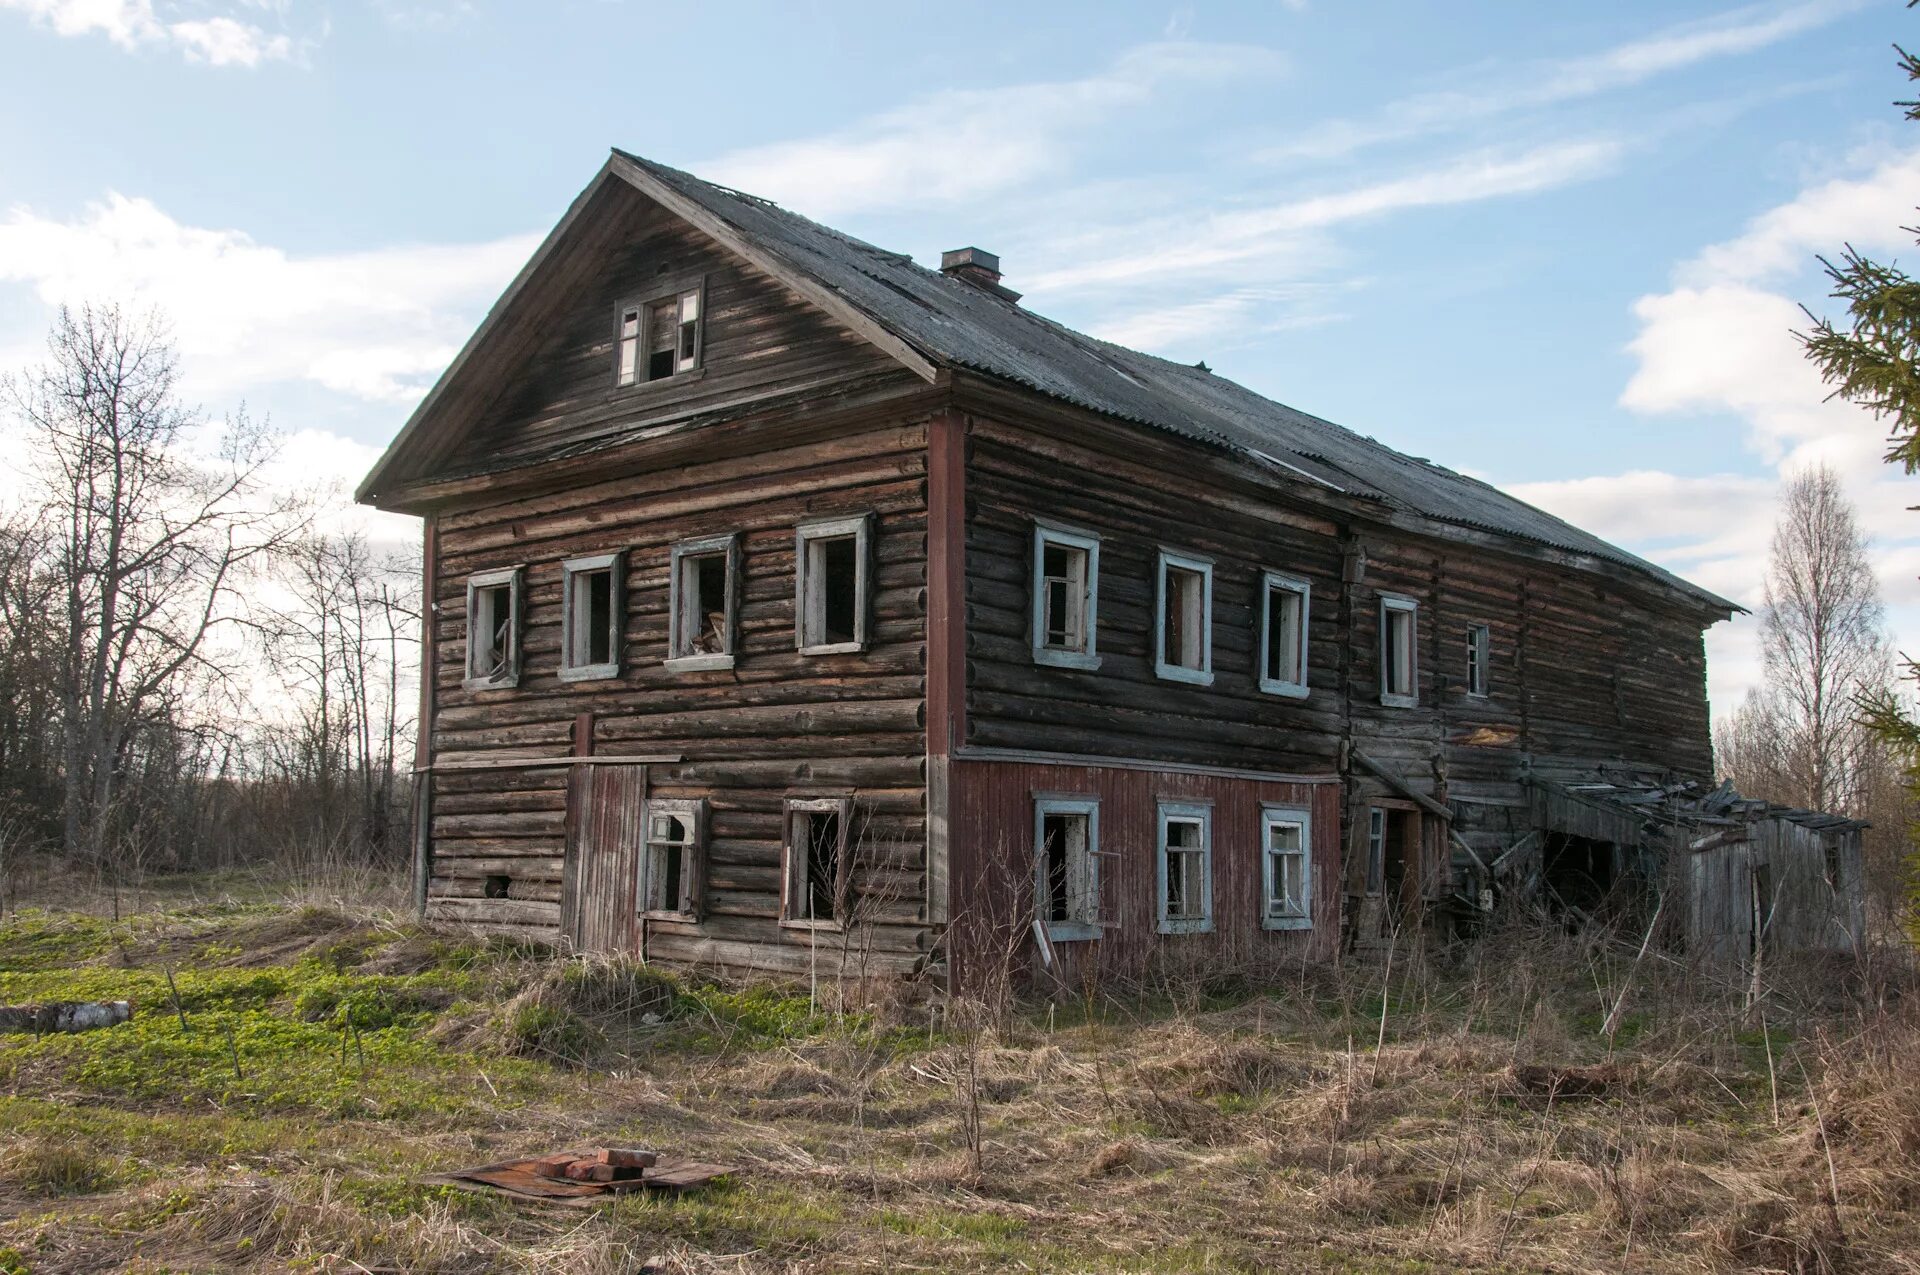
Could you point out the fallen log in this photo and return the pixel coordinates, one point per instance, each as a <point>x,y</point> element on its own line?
<point>64,1016</point>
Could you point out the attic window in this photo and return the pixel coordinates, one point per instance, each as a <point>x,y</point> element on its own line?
<point>658,338</point>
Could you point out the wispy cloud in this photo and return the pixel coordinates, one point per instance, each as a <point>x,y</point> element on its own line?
<point>376,325</point>
<point>966,144</point>
<point>1227,241</point>
<point>132,24</point>
<point>1542,84</point>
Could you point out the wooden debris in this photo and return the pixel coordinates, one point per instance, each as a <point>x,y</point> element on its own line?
<point>580,1177</point>
<point>64,1016</point>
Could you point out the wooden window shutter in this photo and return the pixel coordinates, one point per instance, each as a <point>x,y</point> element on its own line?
<point>696,867</point>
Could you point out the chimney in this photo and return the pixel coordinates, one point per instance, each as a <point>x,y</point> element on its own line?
<point>977,267</point>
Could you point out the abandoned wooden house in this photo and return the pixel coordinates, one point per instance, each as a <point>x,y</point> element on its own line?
<point>795,606</point>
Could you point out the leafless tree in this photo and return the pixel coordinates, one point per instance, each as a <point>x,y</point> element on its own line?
<point>145,542</point>
<point>1798,738</point>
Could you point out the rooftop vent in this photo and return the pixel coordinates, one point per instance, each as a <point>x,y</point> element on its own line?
<point>977,267</point>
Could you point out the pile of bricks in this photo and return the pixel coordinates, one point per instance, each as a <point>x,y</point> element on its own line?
<point>603,1164</point>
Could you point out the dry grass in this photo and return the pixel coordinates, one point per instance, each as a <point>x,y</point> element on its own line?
<point>1222,1123</point>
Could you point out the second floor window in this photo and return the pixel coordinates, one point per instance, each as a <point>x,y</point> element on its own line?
<point>590,618</point>
<point>1479,653</point>
<point>704,596</point>
<point>493,629</point>
<point>1283,634</point>
<point>831,602</point>
<point>1183,619</point>
<point>1399,658</point>
<point>659,338</point>
<point>1066,592</point>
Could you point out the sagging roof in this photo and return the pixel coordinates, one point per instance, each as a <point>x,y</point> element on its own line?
<point>1664,801</point>
<point>959,324</point>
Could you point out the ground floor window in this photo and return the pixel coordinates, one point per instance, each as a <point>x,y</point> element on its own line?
<point>818,877</point>
<point>1287,869</point>
<point>675,854</point>
<point>1184,867</point>
<point>1066,875</point>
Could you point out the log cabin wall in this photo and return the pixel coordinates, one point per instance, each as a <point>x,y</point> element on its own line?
<point>1585,668</point>
<point>777,725</point>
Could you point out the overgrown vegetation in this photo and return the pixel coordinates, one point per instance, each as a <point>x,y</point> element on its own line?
<point>333,1057</point>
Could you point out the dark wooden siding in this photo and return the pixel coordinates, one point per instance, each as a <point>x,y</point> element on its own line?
<point>991,810</point>
<point>761,341</point>
<point>777,724</point>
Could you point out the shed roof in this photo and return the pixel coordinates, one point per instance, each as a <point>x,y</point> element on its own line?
<point>959,324</point>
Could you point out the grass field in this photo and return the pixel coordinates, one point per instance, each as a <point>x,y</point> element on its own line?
<point>1329,1119</point>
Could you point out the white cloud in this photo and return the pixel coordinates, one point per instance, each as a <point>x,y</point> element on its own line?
<point>375,325</point>
<point>132,24</point>
<point>969,143</point>
<point>1550,83</point>
<point>1720,344</point>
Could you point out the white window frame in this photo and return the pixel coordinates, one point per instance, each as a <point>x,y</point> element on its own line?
<point>682,629</point>
<point>1479,656</point>
<point>1087,654</point>
<point>570,572</point>
<point>808,617</point>
<point>1170,560</point>
<point>1392,604</point>
<point>692,856</point>
<point>510,577</point>
<point>1070,930</point>
<point>793,869</point>
<point>1166,813</point>
<point>631,348</point>
<point>1272,582</point>
<point>1272,816</point>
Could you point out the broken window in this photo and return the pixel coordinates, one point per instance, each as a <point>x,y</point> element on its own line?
<point>1183,636</point>
<point>1287,870</point>
<point>704,592</point>
<point>1479,650</point>
<point>831,586</point>
<point>1399,663</point>
<point>818,871</point>
<point>493,629</point>
<point>590,620</point>
<point>1066,576</point>
<point>1185,875</point>
<point>1066,877</point>
<point>658,339</point>
<point>674,857</point>
<point>1376,849</point>
<point>1283,634</point>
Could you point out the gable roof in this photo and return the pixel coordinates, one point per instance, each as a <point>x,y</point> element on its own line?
<point>930,321</point>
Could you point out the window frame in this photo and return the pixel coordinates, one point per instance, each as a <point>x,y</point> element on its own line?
<point>676,287</point>
<point>1171,560</point>
<point>1089,807</point>
<point>1374,884</point>
<point>1479,657</point>
<point>1271,814</point>
<point>792,882</point>
<point>681,657</point>
<point>1088,656</point>
<point>1165,812</point>
<point>570,572</point>
<point>693,858</point>
<point>512,578</point>
<point>860,527</point>
<point>1399,604</point>
<point>1270,583</point>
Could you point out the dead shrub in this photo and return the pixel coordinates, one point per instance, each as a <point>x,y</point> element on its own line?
<point>1113,1157</point>
<point>53,1166</point>
<point>1776,1235</point>
<point>583,1012</point>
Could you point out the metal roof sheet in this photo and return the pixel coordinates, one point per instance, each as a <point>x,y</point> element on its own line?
<point>962,325</point>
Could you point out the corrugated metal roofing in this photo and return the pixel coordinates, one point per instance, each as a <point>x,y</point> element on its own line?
<point>959,324</point>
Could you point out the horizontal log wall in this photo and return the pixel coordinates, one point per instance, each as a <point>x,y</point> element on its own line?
<point>777,724</point>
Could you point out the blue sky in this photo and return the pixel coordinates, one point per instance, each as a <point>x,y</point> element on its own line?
<point>1555,246</point>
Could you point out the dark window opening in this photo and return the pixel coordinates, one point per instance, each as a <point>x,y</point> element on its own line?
<point>493,628</point>
<point>1283,637</point>
<point>701,626</point>
<point>1058,831</point>
<point>1830,864</point>
<point>821,829</point>
<point>497,887</point>
<point>1064,572</point>
<point>838,580</point>
<point>599,616</point>
<point>662,333</point>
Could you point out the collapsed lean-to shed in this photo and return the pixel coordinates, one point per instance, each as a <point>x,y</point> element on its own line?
<point>794,606</point>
